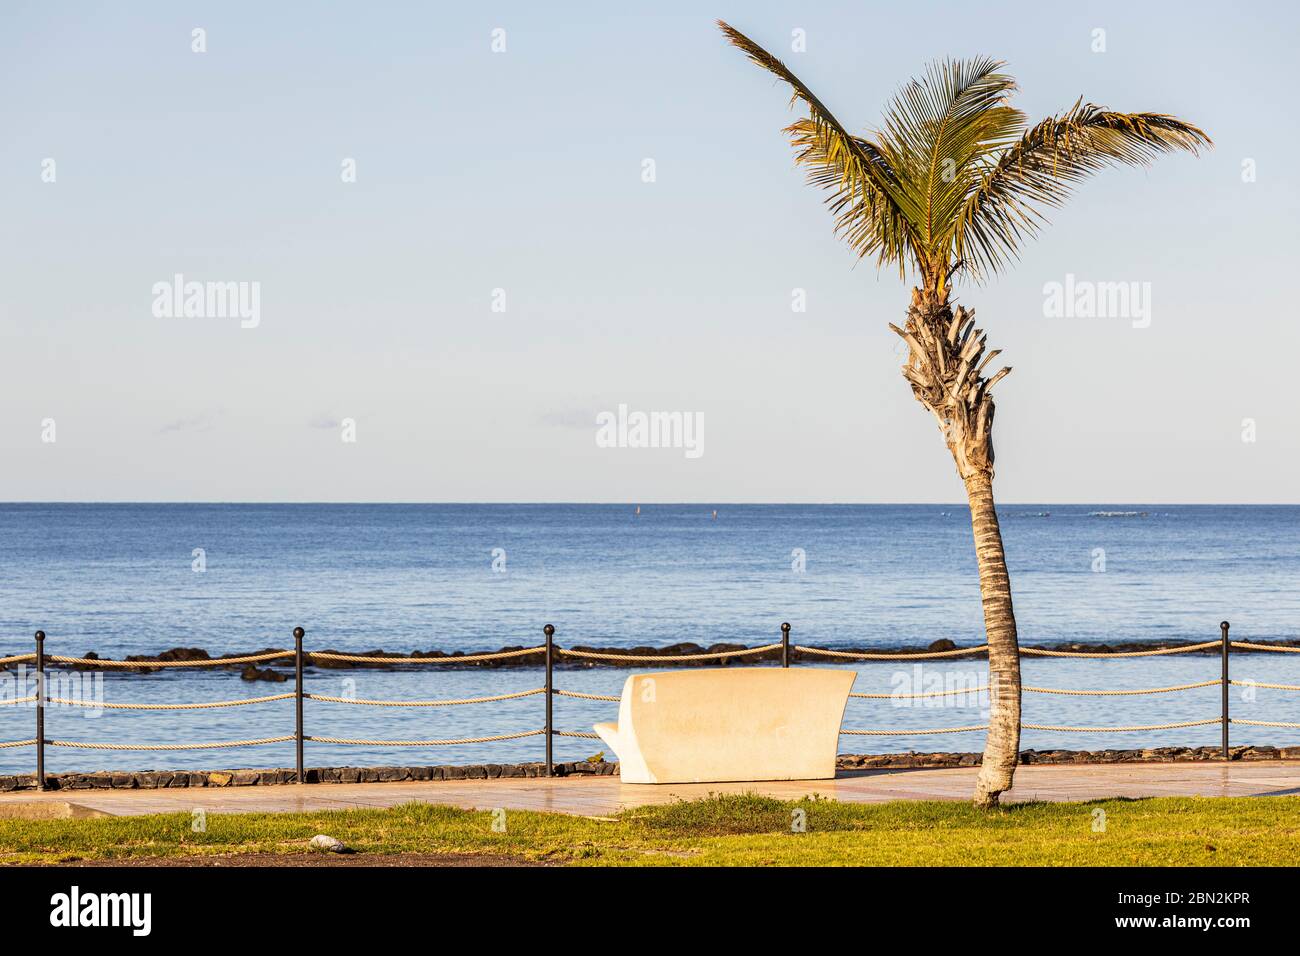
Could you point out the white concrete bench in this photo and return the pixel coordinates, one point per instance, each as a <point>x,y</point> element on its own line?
<point>731,723</point>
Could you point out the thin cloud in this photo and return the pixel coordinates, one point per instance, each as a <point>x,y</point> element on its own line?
<point>202,422</point>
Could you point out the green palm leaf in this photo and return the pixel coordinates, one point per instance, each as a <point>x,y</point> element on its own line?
<point>938,130</point>
<point>866,197</point>
<point>1041,169</point>
<point>954,179</point>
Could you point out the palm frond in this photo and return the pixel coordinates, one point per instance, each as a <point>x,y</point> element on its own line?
<point>954,180</point>
<point>938,130</point>
<point>1040,171</point>
<point>865,195</point>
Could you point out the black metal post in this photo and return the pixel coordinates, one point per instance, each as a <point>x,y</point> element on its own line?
<point>40,710</point>
<point>297,698</point>
<point>1223,627</point>
<point>785,645</point>
<point>549,631</point>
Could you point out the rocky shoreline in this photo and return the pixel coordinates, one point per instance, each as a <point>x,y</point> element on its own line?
<point>275,670</point>
<point>158,779</point>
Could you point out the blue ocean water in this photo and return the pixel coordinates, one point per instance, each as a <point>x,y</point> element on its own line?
<point>121,579</point>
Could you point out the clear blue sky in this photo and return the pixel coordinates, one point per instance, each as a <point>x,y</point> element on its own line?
<point>522,171</point>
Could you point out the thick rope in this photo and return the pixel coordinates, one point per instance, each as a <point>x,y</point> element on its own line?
<point>209,662</point>
<point>890,657</point>
<point>932,693</point>
<point>17,657</point>
<point>17,743</point>
<point>1164,650</point>
<point>448,659</point>
<point>1246,646</point>
<point>422,703</point>
<point>573,733</point>
<point>656,658</point>
<point>1262,723</point>
<point>422,743</point>
<point>570,693</point>
<point>1081,730</point>
<point>18,700</point>
<point>1123,693</point>
<point>212,746</point>
<point>913,733</point>
<point>204,706</point>
<point>1120,730</point>
<point>1064,691</point>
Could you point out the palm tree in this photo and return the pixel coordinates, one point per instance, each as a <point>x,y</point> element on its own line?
<point>950,186</point>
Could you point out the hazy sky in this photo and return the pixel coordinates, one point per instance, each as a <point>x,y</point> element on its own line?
<point>522,171</point>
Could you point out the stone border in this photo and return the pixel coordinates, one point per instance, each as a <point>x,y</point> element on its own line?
<point>1027,757</point>
<point>160,779</point>
<point>172,779</point>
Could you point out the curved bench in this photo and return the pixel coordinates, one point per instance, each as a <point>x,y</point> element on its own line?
<point>731,723</point>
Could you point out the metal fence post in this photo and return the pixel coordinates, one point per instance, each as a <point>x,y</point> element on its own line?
<point>298,633</point>
<point>40,710</point>
<point>785,644</point>
<point>549,631</point>
<point>1223,627</point>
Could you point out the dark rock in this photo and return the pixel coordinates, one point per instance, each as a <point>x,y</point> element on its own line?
<point>253,672</point>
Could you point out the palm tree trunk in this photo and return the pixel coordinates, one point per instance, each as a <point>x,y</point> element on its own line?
<point>1002,746</point>
<point>946,359</point>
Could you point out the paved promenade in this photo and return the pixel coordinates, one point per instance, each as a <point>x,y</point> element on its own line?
<point>603,796</point>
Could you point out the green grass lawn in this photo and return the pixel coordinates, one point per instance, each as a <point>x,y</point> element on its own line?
<point>722,830</point>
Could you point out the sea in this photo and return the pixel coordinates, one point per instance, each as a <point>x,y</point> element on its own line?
<point>120,579</point>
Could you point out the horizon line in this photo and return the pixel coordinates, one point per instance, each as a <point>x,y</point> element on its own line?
<point>632,502</point>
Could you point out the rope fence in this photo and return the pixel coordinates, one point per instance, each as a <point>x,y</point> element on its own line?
<point>441,659</point>
<point>551,653</point>
<point>150,664</point>
<point>256,742</point>
<point>424,743</point>
<point>652,658</point>
<point>96,705</point>
<point>423,703</point>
